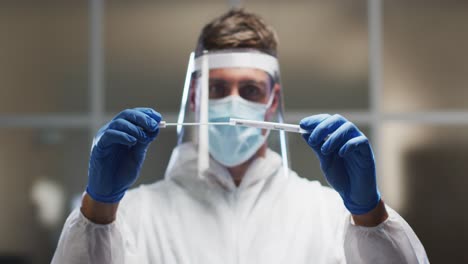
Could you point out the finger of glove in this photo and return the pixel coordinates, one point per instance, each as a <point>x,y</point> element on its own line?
<point>152,135</point>
<point>325,128</point>
<point>358,145</point>
<point>139,118</point>
<point>142,146</point>
<point>338,138</point>
<point>309,123</point>
<point>151,113</point>
<point>129,128</point>
<point>316,149</point>
<point>111,137</point>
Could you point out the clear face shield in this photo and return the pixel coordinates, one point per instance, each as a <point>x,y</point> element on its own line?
<point>221,85</point>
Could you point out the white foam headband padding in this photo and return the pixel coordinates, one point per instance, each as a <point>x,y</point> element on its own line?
<point>260,61</point>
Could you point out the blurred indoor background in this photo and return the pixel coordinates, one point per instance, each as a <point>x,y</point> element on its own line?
<point>399,69</point>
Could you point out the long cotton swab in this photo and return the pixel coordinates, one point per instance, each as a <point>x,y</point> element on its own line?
<point>244,122</point>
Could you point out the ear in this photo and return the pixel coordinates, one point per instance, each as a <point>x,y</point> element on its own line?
<point>276,101</point>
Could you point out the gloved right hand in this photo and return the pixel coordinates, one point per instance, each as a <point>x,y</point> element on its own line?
<point>346,159</point>
<point>118,152</point>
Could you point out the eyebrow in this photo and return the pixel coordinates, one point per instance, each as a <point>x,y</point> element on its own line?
<point>242,81</point>
<point>261,83</point>
<point>218,80</point>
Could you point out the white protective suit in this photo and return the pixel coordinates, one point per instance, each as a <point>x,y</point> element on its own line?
<point>269,218</point>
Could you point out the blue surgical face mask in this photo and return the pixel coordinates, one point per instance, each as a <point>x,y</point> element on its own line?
<point>233,145</point>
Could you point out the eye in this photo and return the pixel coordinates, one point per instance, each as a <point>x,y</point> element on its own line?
<point>252,92</point>
<point>218,89</point>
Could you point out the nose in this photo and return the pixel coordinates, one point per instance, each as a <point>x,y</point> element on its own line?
<point>234,89</point>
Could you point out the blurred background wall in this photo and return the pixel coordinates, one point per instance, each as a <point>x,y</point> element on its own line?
<point>399,69</point>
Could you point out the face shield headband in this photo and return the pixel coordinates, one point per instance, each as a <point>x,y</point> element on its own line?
<point>255,60</point>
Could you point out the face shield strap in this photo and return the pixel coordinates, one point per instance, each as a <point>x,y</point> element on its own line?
<point>185,96</point>
<point>202,105</point>
<point>282,134</point>
<point>283,139</point>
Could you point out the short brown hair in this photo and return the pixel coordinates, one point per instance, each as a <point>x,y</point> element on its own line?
<point>238,29</point>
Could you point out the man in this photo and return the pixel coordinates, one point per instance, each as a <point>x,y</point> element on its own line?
<point>240,206</point>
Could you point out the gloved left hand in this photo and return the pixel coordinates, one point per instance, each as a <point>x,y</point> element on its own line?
<point>346,159</point>
<point>118,153</point>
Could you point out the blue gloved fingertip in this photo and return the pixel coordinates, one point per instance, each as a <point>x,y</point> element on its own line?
<point>306,123</point>
<point>145,137</point>
<point>156,115</point>
<point>314,142</point>
<point>324,149</point>
<point>153,124</point>
<point>132,139</point>
<point>342,152</point>
<point>311,142</point>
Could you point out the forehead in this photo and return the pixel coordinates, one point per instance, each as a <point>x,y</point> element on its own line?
<point>237,74</point>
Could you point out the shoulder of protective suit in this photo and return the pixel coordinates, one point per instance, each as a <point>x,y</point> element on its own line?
<point>148,193</point>
<point>295,181</point>
<point>314,190</point>
<point>320,201</point>
<point>147,200</point>
<point>161,187</point>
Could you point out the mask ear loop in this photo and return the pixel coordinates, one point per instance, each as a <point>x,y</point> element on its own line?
<point>267,106</point>
<point>270,101</point>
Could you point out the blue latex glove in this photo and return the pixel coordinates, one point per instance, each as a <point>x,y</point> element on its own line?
<point>118,152</point>
<point>346,159</point>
